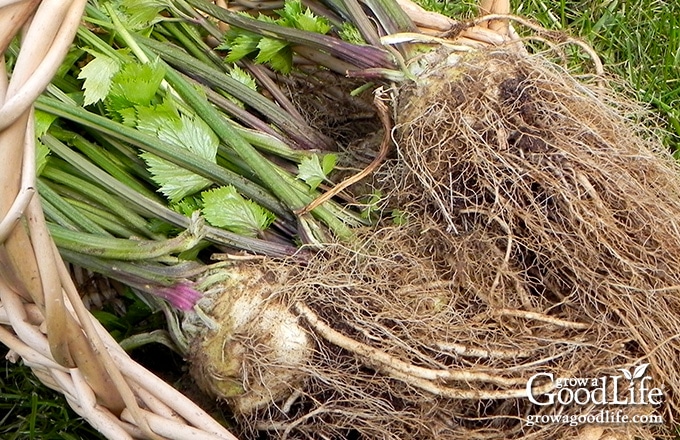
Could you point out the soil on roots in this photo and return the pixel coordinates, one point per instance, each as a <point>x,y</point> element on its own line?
<point>541,235</point>
<point>406,346</point>
<point>577,204</point>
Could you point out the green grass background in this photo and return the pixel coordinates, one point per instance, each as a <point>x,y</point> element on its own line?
<point>638,40</point>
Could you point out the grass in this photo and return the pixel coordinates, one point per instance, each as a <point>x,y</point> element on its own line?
<point>30,411</point>
<point>638,40</point>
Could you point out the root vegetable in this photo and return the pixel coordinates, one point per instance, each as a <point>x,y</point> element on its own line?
<point>248,327</point>
<point>541,234</point>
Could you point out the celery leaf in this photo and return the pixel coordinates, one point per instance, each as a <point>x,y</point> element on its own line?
<point>188,205</point>
<point>276,52</point>
<point>307,21</point>
<point>143,13</point>
<point>175,182</point>
<point>98,75</point>
<point>135,84</point>
<point>328,163</point>
<point>181,131</point>
<point>351,34</point>
<point>243,77</point>
<point>240,44</point>
<point>273,51</point>
<point>314,172</point>
<point>225,208</point>
<point>294,15</point>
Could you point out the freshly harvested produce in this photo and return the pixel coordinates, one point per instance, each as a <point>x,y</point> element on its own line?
<point>521,223</point>
<point>533,230</point>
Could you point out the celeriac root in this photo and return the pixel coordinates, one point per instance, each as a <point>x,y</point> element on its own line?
<point>540,234</point>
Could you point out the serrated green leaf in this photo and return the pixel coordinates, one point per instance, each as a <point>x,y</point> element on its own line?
<point>188,205</point>
<point>351,34</point>
<point>243,77</point>
<point>290,10</point>
<point>239,45</point>
<point>399,217</point>
<point>275,52</point>
<point>192,134</point>
<point>135,85</point>
<point>311,172</point>
<point>150,119</point>
<point>225,208</point>
<point>143,13</point>
<point>268,48</point>
<point>311,23</point>
<point>175,182</point>
<point>128,116</point>
<point>282,61</point>
<point>294,14</point>
<point>181,131</point>
<point>98,75</point>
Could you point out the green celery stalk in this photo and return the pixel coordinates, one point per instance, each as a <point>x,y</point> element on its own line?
<point>122,248</point>
<point>102,159</point>
<point>97,194</point>
<point>178,156</point>
<point>68,211</point>
<point>106,219</point>
<point>147,206</point>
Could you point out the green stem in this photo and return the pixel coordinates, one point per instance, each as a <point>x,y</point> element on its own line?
<point>347,216</point>
<point>127,155</point>
<point>103,218</point>
<point>134,274</point>
<point>191,41</point>
<point>361,56</point>
<point>121,248</point>
<point>216,79</point>
<point>265,170</point>
<point>360,20</point>
<point>93,41</point>
<point>101,159</point>
<point>68,211</point>
<point>56,216</point>
<point>142,339</point>
<point>272,145</point>
<point>98,195</point>
<point>391,16</point>
<point>151,207</point>
<point>225,103</point>
<point>179,156</point>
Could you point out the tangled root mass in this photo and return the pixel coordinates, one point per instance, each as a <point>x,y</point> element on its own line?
<point>542,236</point>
